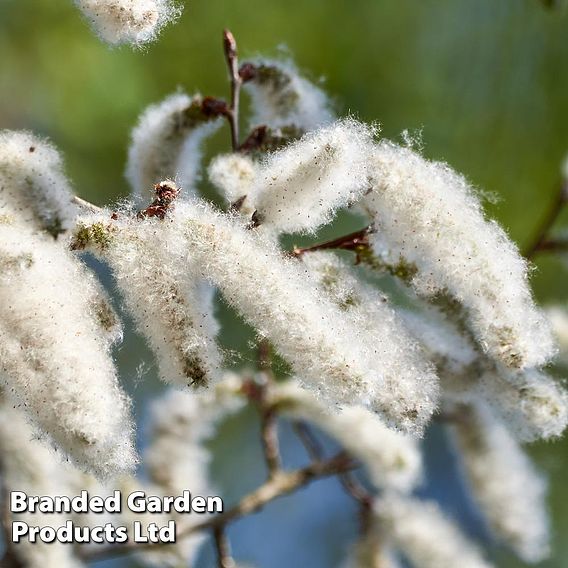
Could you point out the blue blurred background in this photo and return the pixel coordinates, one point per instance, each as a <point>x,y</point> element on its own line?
<point>483,82</point>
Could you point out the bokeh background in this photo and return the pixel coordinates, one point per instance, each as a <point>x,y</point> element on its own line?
<point>483,82</point>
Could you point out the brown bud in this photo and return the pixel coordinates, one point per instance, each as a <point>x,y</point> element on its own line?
<point>211,106</point>
<point>247,72</point>
<point>229,44</point>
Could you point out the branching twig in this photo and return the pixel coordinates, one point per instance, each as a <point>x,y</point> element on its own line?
<point>349,482</point>
<point>283,483</point>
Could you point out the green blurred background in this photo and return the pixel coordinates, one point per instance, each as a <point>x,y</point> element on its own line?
<point>485,82</point>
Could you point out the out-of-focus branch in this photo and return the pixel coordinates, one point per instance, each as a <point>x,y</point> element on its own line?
<point>363,497</point>
<point>256,392</point>
<point>283,483</point>
<point>9,560</point>
<point>541,240</point>
<point>308,439</point>
<point>271,447</point>
<point>223,547</point>
<point>350,483</point>
<point>552,246</point>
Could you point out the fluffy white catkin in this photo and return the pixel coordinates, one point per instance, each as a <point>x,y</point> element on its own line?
<point>428,215</point>
<point>504,482</point>
<point>171,305</point>
<point>440,339</point>
<point>181,422</point>
<point>28,465</point>
<point>276,295</point>
<point>54,353</point>
<point>558,318</point>
<point>392,459</point>
<point>425,536</point>
<point>410,391</point>
<point>282,97</point>
<point>104,314</point>
<point>34,191</point>
<point>128,21</point>
<point>371,552</point>
<point>233,175</point>
<point>177,458</point>
<point>532,404</point>
<point>166,144</point>
<point>300,188</point>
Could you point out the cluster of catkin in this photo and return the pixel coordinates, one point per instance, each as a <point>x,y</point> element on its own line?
<point>469,345</point>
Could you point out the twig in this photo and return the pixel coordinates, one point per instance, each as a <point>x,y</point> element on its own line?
<point>223,547</point>
<point>86,204</point>
<point>282,484</point>
<point>365,499</point>
<point>352,241</point>
<point>542,234</point>
<point>309,441</point>
<point>270,443</point>
<point>268,416</point>
<point>349,482</point>
<point>278,486</point>
<point>230,48</point>
<point>552,246</point>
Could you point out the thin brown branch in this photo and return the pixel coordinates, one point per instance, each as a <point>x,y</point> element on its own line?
<point>348,480</point>
<point>223,548</point>
<point>363,497</point>
<point>308,439</point>
<point>353,242</point>
<point>256,391</point>
<point>542,234</point>
<point>230,49</point>
<point>552,246</point>
<point>284,483</point>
